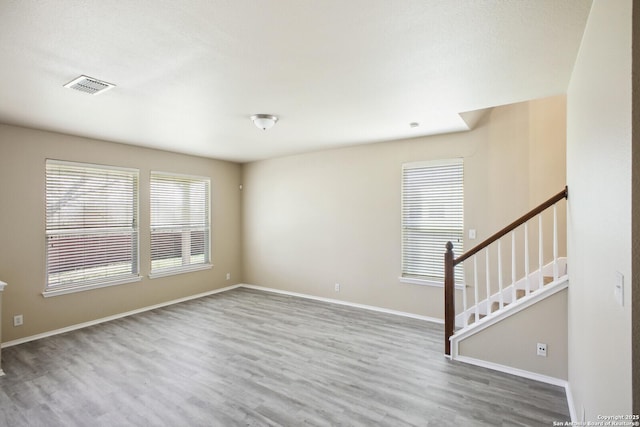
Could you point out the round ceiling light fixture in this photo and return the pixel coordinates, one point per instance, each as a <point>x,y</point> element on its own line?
<point>264,121</point>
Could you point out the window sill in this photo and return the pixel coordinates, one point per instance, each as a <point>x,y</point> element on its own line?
<point>180,270</point>
<point>54,292</point>
<point>425,282</point>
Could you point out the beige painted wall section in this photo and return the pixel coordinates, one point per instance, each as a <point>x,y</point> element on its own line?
<point>512,342</point>
<point>599,217</point>
<point>22,248</point>
<point>317,219</point>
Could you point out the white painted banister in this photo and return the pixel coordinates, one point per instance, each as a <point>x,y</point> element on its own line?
<point>540,253</point>
<point>555,242</point>
<point>464,305</point>
<point>487,279</point>
<point>513,266</point>
<point>527,288</point>
<point>500,274</point>
<point>510,296</point>
<point>475,287</point>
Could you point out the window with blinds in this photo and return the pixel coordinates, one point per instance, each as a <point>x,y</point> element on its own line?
<point>91,226</point>
<point>180,225</point>
<point>432,215</point>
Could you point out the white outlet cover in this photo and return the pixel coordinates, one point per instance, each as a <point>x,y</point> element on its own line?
<point>541,349</point>
<point>18,320</point>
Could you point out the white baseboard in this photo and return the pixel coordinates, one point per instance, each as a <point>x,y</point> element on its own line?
<point>114,317</point>
<point>572,408</point>
<point>464,359</point>
<point>347,303</point>
<point>204,294</point>
<point>490,365</point>
<point>513,371</point>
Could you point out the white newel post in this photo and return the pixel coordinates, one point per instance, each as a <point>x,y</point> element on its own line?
<point>2,285</point>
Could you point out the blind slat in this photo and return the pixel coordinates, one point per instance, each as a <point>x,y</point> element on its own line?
<point>432,214</point>
<point>180,228</point>
<point>91,223</point>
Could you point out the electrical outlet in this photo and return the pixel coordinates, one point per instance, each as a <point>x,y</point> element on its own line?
<point>472,234</point>
<point>542,349</point>
<point>228,276</point>
<point>18,320</point>
<point>337,287</point>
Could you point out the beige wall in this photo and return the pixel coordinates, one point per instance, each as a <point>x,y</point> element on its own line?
<point>512,342</point>
<point>22,246</point>
<point>317,219</point>
<point>599,217</point>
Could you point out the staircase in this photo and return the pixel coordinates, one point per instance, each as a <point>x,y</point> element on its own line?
<point>499,280</point>
<point>518,292</point>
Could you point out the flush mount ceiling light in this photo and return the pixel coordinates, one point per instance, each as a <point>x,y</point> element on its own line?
<point>89,85</point>
<point>264,121</point>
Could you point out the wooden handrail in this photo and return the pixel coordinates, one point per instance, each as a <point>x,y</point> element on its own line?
<point>450,262</point>
<point>515,224</point>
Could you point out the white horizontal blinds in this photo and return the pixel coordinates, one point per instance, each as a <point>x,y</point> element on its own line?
<point>180,228</point>
<point>91,224</point>
<point>432,215</point>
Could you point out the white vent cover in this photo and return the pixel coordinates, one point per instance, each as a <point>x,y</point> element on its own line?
<point>89,85</point>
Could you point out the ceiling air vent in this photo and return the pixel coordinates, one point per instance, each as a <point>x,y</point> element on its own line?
<point>89,85</point>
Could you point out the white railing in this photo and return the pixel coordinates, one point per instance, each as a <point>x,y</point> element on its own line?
<point>496,296</point>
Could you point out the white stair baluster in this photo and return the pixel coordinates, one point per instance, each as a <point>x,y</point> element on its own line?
<point>555,243</point>
<point>527,285</point>
<point>513,267</point>
<point>464,305</point>
<point>486,258</point>
<point>540,253</point>
<point>500,274</point>
<point>475,285</point>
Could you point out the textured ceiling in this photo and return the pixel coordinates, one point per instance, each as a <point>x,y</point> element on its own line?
<point>190,73</point>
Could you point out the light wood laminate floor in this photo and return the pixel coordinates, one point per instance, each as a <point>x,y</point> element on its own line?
<point>253,358</point>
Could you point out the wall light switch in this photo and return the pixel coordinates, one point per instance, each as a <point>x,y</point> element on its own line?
<point>618,291</point>
<point>472,234</point>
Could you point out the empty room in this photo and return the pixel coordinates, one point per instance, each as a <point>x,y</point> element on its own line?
<point>324,213</point>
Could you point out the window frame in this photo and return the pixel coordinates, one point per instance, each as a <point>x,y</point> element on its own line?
<point>83,284</point>
<point>437,281</point>
<point>191,267</point>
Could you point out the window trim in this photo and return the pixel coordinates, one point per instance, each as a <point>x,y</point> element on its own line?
<point>171,271</point>
<point>89,286</point>
<point>102,283</point>
<point>179,270</point>
<point>412,279</point>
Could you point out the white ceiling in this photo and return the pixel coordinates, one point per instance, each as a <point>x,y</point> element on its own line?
<point>337,72</point>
